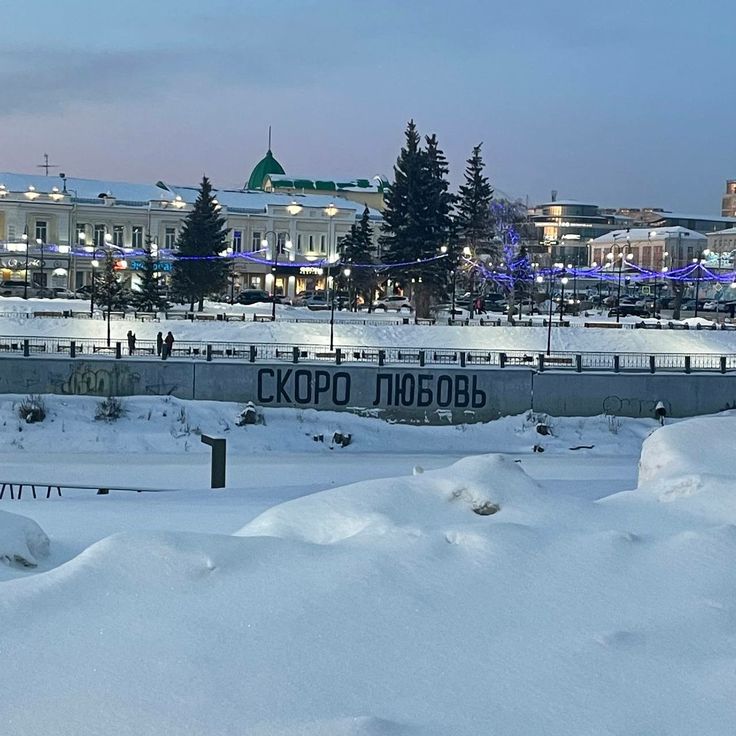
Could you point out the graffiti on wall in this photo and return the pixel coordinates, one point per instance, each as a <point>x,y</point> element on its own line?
<point>632,407</point>
<point>99,380</point>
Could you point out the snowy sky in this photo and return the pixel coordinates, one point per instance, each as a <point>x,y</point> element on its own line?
<point>626,103</point>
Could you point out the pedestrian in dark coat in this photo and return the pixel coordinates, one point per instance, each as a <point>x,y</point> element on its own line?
<point>131,342</point>
<point>168,345</point>
<point>159,343</point>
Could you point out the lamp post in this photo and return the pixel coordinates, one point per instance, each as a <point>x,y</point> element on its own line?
<point>622,256</point>
<point>551,304</point>
<point>346,273</point>
<point>39,242</point>
<point>24,237</point>
<point>699,261</point>
<point>331,260</point>
<point>264,245</point>
<point>564,280</point>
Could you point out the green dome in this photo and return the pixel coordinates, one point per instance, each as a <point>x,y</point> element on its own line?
<point>265,167</point>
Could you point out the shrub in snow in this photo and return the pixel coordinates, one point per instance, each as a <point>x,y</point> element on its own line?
<point>249,415</point>
<point>110,409</point>
<point>32,409</point>
<point>343,440</point>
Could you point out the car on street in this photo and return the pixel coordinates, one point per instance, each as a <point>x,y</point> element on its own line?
<point>12,287</point>
<point>629,310</point>
<point>253,296</point>
<point>316,301</point>
<point>395,302</point>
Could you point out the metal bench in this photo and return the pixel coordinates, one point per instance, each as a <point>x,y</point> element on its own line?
<point>262,318</point>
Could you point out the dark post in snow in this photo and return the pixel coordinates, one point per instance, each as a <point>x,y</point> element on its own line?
<point>218,446</point>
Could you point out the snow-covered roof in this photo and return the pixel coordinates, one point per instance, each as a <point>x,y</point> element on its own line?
<point>90,189</point>
<point>570,202</point>
<point>236,200</point>
<point>727,231</point>
<point>254,201</point>
<point>328,183</point>
<point>637,234</point>
<point>664,214</point>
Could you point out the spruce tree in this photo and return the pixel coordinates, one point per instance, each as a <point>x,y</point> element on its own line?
<point>474,221</point>
<point>357,252</point>
<point>417,216</point>
<point>151,296</point>
<point>198,269</point>
<point>108,289</point>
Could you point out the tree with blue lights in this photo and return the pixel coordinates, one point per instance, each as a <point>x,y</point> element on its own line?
<point>151,296</point>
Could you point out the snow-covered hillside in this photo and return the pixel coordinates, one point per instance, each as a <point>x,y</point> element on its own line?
<point>509,593</point>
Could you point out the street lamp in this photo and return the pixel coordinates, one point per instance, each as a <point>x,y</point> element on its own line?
<point>699,261</point>
<point>331,260</point>
<point>564,281</point>
<point>346,273</point>
<point>39,242</point>
<point>276,248</point>
<point>24,238</point>
<point>551,304</point>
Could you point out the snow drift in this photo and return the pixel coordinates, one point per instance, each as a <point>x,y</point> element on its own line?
<point>22,541</point>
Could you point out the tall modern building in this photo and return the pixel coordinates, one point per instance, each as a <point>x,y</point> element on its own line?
<point>728,203</point>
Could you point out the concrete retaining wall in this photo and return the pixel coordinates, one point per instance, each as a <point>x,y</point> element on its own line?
<point>633,394</point>
<point>426,395</point>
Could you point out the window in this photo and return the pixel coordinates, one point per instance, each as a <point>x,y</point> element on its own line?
<point>41,230</point>
<point>311,244</point>
<point>323,244</point>
<point>170,237</point>
<point>81,230</point>
<point>99,235</point>
<point>117,235</point>
<point>281,239</point>
<point>255,243</point>
<point>137,239</point>
<point>299,243</point>
<point>237,241</point>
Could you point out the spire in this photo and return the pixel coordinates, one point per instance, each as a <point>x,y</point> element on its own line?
<point>269,137</point>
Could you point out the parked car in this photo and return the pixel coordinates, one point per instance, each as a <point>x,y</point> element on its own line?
<point>253,296</point>
<point>395,302</point>
<point>15,288</point>
<point>317,301</point>
<point>629,310</point>
<point>62,293</point>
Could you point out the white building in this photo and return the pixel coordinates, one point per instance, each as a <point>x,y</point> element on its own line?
<point>64,220</point>
<point>651,248</point>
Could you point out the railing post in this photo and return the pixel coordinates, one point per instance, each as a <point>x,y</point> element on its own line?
<point>579,363</point>
<point>421,358</point>
<point>463,358</point>
<point>338,356</point>
<point>118,350</point>
<point>381,357</point>
<point>541,362</point>
<point>652,364</point>
<point>26,348</point>
<point>502,360</point>
<point>73,349</point>
<point>295,355</point>
<point>723,363</point>
<point>208,353</point>
<point>616,363</point>
<point>252,354</point>
<point>687,364</point>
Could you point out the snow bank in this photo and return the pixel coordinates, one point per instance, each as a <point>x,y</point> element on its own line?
<point>411,506</point>
<point>690,466</point>
<point>22,541</point>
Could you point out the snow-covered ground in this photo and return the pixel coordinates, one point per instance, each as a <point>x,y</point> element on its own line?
<point>358,591</point>
<point>575,339</point>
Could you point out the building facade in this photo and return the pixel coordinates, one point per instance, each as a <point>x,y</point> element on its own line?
<point>565,228</point>
<point>52,229</point>
<point>656,249</point>
<point>728,203</point>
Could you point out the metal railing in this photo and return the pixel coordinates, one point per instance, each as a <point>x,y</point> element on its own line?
<point>91,348</point>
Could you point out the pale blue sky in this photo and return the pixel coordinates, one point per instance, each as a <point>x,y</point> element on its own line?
<point>619,102</point>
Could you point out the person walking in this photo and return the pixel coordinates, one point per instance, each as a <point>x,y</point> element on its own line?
<point>168,345</point>
<point>131,342</point>
<point>159,343</point>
